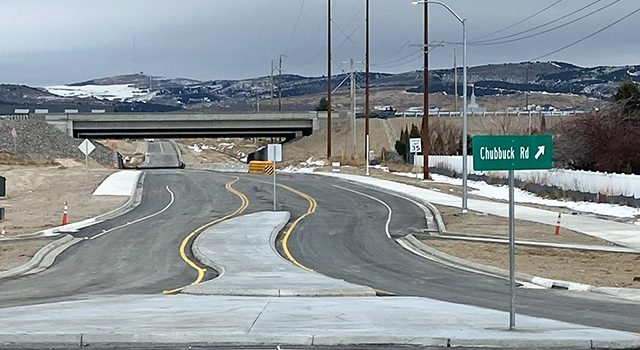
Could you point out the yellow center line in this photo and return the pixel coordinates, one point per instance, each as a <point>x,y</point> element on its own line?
<point>183,246</point>
<point>285,239</point>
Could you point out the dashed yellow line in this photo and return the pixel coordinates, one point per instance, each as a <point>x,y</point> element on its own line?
<point>183,247</point>
<point>285,239</point>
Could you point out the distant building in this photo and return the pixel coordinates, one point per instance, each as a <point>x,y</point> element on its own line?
<point>473,106</point>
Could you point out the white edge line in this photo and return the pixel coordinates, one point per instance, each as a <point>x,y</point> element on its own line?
<point>141,219</point>
<point>377,200</point>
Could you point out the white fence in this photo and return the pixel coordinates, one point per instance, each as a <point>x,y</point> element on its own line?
<point>491,114</point>
<point>573,180</point>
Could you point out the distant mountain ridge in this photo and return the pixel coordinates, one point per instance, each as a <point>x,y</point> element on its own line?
<point>162,94</point>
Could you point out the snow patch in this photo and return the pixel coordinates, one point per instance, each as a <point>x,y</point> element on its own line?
<point>501,192</point>
<point>103,92</point>
<point>307,166</point>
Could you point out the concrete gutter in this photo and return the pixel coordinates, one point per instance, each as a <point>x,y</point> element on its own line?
<point>493,239</point>
<point>415,246</point>
<point>436,226</point>
<point>46,256</point>
<point>243,252</point>
<point>130,204</point>
<point>177,148</point>
<point>37,259</point>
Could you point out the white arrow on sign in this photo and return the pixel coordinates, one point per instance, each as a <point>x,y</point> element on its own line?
<point>540,151</point>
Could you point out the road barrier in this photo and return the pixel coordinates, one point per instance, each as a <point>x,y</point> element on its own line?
<point>260,167</point>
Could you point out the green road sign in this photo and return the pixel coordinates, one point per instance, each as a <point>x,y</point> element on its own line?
<point>512,152</point>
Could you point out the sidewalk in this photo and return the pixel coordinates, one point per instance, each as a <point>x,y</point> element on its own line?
<point>217,320</point>
<point>624,234</point>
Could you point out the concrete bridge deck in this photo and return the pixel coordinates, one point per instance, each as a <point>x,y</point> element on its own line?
<point>181,125</point>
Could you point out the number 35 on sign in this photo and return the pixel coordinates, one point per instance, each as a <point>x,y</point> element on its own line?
<point>415,145</point>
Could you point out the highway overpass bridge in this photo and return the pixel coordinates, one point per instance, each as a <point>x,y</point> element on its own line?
<point>183,125</point>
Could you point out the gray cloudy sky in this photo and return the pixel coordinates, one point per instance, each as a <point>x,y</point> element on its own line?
<point>54,42</point>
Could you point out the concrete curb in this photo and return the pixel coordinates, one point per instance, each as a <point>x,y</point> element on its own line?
<point>53,247</point>
<point>178,152</point>
<point>36,259</point>
<point>415,246</point>
<point>239,339</point>
<point>134,199</point>
<point>349,290</point>
<point>203,258</point>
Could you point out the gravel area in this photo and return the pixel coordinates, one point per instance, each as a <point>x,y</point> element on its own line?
<point>595,268</point>
<point>16,253</point>
<point>39,140</point>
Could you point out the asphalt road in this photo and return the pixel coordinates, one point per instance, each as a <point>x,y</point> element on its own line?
<point>138,252</point>
<point>141,257</point>
<point>346,239</point>
<point>161,154</point>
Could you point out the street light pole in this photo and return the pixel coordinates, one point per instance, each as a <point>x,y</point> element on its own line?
<point>329,126</point>
<point>366,90</point>
<point>464,116</point>
<point>463,21</point>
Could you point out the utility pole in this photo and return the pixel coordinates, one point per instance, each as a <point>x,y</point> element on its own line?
<point>329,80</point>
<point>353,109</point>
<point>280,84</point>
<point>455,82</point>
<point>257,101</point>
<point>271,99</point>
<point>366,89</point>
<point>426,144</point>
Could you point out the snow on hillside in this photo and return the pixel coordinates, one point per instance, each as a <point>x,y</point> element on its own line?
<point>104,92</point>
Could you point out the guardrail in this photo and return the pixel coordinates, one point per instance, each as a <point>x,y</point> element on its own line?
<point>15,117</point>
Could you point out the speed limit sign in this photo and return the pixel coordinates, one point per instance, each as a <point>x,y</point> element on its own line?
<point>415,145</point>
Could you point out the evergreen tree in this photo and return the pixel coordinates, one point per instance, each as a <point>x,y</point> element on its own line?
<point>628,96</point>
<point>322,105</point>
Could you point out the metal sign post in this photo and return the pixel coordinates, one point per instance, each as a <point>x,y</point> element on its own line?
<point>86,147</point>
<point>512,152</point>
<point>14,134</point>
<point>415,147</point>
<point>274,154</point>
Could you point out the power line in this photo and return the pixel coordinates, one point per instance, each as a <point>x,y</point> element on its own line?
<point>588,36</point>
<point>406,44</point>
<point>548,30</point>
<point>401,61</point>
<point>347,36</point>
<point>519,22</point>
<point>295,28</point>
<point>353,19</point>
<point>501,41</point>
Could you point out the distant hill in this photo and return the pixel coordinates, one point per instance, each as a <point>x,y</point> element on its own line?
<point>141,92</point>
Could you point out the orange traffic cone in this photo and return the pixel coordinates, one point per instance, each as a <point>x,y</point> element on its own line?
<point>558,224</point>
<point>65,215</point>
